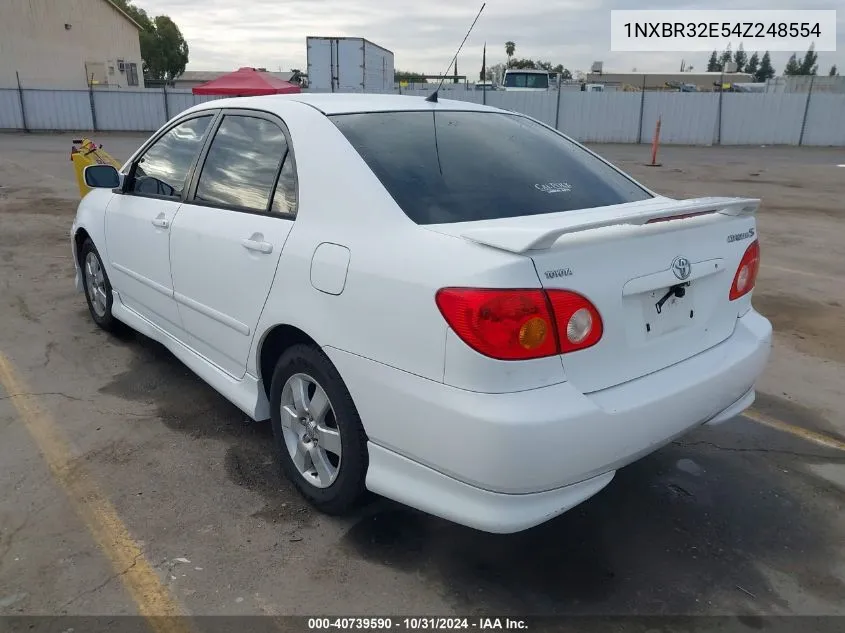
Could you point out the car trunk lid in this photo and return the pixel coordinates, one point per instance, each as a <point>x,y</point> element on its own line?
<point>659,273</point>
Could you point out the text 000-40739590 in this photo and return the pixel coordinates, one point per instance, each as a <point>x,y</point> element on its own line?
<point>416,623</point>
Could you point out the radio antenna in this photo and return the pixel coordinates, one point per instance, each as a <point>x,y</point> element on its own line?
<point>433,96</point>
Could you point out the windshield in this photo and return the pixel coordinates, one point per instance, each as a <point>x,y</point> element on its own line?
<point>462,166</point>
<point>526,80</point>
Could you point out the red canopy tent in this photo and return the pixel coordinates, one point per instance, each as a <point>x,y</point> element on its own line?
<point>246,82</point>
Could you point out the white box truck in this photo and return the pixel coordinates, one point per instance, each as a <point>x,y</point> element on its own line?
<point>348,64</point>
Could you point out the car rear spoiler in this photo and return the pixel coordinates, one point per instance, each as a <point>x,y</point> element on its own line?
<point>541,232</point>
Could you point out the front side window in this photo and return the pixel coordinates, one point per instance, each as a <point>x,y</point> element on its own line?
<point>446,166</point>
<point>242,163</point>
<point>164,167</point>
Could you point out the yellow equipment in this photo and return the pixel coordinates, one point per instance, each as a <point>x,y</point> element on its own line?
<point>86,152</point>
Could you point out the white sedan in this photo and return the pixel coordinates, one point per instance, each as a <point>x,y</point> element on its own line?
<point>450,305</point>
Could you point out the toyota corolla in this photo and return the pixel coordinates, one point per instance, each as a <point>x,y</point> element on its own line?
<point>451,305</point>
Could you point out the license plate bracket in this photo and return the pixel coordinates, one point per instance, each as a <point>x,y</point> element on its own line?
<point>674,313</point>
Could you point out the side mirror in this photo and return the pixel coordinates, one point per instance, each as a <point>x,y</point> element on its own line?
<point>101,176</point>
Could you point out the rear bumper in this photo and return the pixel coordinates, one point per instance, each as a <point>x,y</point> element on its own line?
<point>553,442</point>
<point>413,484</point>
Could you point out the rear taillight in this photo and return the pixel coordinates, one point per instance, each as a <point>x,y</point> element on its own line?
<point>503,324</point>
<point>578,322</point>
<point>520,324</point>
<point>746,273</point>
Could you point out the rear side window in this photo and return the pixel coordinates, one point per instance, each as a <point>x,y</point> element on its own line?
<point>462,166</point>
<point>284,199</point>
<point>242,163</point>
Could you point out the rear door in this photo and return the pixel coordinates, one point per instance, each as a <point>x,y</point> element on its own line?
<point>320,64</point>
<point>228,236</point>
<point>349,68</point>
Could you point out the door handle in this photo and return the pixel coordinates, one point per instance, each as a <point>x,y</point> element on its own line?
<point>258,245</point>
<point>160,221</point>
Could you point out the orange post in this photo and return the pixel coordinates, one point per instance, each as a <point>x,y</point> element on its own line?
<point>655,143</point>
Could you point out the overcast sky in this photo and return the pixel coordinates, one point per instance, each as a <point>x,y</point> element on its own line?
<point>423,35</point>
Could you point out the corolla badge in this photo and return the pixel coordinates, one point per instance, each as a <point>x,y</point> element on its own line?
<point>682,267</point>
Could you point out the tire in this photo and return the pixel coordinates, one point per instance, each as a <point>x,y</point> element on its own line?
<point>98,289</point>
<point>302,445</point>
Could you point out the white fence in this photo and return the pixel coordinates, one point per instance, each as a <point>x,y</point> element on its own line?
<point>599,117</point>
<point>98,110</point>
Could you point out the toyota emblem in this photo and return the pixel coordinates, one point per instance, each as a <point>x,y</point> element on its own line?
<point>682,267</point>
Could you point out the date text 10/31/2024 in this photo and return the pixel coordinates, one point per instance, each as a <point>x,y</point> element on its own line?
<point>416,623</point>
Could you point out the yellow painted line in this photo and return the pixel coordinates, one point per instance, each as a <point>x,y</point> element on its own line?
<point>805,434</point>
<point>95,510</point>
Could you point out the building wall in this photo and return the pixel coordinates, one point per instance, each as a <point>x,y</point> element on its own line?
<point>35,43</point>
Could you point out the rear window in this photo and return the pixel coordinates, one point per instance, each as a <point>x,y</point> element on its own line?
<point>526,80</point>
<point>448,167</point>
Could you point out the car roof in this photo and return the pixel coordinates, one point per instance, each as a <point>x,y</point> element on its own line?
<point>347,103</point>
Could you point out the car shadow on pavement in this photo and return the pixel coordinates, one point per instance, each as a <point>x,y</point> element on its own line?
<point>705,524</point>
<point>697,527</point>
<point>186,404</point>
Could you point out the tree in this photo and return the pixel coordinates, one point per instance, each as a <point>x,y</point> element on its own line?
<point>411,78</point>
<point>559,70</point>
<point>713,63</point>
<point>167,51</point>
<point>792,67</point>
<point>563,73</point>
<point>833,72</point>
<point>522,63</point>
<point>163,49</point>
<point>752,65</point>
<point>510,48</point>
<point>808,65</point>
<point>725,58</point>
<point>740,59</point>
<point>766,71</point>
<point>496,72</point>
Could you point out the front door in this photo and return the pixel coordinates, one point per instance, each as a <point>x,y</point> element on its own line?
<point>139,221</point>
<point>228,236</point>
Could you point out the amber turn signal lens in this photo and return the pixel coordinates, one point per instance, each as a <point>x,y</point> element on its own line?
<point>533,333</point>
